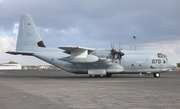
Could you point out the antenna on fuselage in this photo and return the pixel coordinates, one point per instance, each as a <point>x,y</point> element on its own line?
<point>134,37</point>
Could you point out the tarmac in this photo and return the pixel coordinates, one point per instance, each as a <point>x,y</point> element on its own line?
<point>57,89</point>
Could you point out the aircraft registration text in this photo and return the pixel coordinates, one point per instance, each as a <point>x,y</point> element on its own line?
<point>154,61</point>
<point>27,43</point>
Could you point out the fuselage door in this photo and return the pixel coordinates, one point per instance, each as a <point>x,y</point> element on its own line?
<point>162,61</point>
<point>164,64</point>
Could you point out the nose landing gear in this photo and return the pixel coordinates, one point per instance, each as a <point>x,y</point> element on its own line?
<point>156,75</point>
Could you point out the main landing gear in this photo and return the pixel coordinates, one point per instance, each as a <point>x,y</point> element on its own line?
<point>156,75</point>
<point>107,75</point>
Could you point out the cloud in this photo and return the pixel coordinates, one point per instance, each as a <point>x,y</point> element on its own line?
<point>96,24</point>
<point>170,48</point>
<point>8,43</point>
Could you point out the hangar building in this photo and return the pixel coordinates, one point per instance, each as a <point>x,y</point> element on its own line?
<point>10,66</point>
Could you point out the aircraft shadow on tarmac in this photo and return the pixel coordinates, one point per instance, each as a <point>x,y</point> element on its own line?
<point>72,77</point>
<point>63,75</point>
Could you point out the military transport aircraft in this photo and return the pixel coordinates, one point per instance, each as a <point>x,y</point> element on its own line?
<point>94,62</point>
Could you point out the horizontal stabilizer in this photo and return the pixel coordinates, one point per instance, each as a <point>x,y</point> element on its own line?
<point>20,52</point>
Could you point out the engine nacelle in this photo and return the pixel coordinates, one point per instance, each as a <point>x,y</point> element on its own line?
<point>87,59</point>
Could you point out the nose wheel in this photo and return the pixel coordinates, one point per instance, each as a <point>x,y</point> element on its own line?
<point>156,75</point>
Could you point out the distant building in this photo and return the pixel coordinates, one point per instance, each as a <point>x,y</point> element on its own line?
<point>10,66</point>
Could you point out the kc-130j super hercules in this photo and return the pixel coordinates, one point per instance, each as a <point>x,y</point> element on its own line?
<point>94,62</point>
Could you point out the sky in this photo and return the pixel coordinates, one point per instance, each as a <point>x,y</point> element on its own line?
<point>94,24</point>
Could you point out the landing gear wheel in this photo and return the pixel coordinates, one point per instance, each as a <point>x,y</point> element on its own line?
<point>97,76</point>
<point>156,75</point>
<point>91,76</point>
<point>108,75</point>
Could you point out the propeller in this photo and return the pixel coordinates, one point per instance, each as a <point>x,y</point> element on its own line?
<point>117,53</point>
<point>120,53</point>
<point>113,52</point>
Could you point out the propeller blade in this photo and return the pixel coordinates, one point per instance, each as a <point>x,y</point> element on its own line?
<point>116,53</point>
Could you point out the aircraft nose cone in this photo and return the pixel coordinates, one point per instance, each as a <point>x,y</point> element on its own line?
<point>178,65</point>
<point>172,64</point>
<point>175,65</point>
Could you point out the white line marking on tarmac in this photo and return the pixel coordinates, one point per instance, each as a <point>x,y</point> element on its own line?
<point>121,81</point>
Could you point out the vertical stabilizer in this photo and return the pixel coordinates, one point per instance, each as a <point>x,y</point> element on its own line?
<point>28,36</point>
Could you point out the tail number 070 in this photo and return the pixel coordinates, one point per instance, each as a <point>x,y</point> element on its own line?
<point>154,61</point>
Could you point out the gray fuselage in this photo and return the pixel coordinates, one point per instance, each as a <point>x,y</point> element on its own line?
<point>133,62</point>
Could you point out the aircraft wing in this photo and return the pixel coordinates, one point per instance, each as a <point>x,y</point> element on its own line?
<point>69,49</point>
<point>79,54</point>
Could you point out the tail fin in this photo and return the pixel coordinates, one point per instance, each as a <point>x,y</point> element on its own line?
<point>28,36</point>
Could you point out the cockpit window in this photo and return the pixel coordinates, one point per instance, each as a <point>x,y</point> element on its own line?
<point>161,55</point>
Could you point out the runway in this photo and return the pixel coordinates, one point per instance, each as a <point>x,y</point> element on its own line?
<point>56,89</point>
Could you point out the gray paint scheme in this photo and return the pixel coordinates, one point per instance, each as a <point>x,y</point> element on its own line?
<point>82,60</point>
